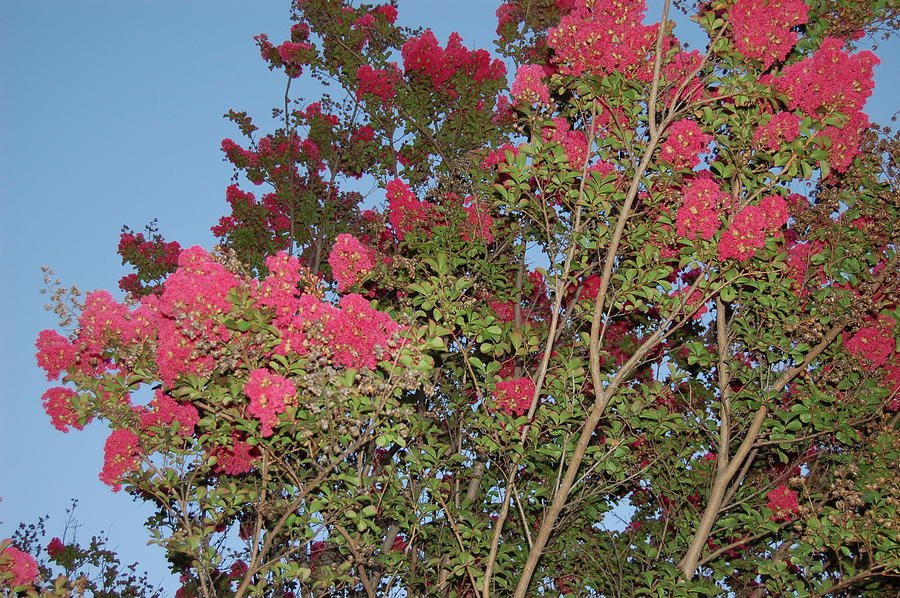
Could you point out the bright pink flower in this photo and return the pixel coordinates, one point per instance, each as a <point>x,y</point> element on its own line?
<point>55,547</point>
<point>829,79</point>
<point>507,13</point>
<point>745,235</point>
<point>193,299</point>
<point>762,29</point>
<point>22,565</point>
<point>684,144</point>
<point>388,12</point>
<point>514,396</point>
<point>350,261</point>
<point>164,411</point>
<point>381,83</point>
<point>359,335</point>
<point>237,458</point>
<point>498,156</point>
<point>121,454</point>
<point>55,353</point>
<point>528,86</point>
<point>782,128</point>
<point>424,57</point>
<point>782,502</point>
<point>750,227</point>
<point>874,342</point>
<point>698,215</point>
<point>58,405</point>
<point>845,141</point>
<point>406,212</point>
<point>270,394</point>
<point>504,310</point>
<point>603,37</point>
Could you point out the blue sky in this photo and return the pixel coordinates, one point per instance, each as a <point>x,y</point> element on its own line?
<point>111,114</point>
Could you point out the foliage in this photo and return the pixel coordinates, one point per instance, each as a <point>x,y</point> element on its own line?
<point>652,284</point>
<point>68,567</point>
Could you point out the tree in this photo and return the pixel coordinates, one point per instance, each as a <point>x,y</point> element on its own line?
<point>653,283</point>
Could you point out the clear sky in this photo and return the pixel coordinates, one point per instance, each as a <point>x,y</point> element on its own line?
<point>111,114</point>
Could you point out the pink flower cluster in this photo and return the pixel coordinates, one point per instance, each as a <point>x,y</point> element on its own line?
<point>782,502</point>
<point>832,80</point>
<point>270,395</point>
<point>750,227</point>
<point>351,334</point>
<point>762,28</point>
<point>291,54</point>
<point>698,215</point>
<point>237,458</point>
<point>498,156</point>
<point>684,144</point>
<point>528,86</point>
<point>514,396</point>
<point>603,37</point>
<point>873,342</point>
<point>692,302</point>
<point>381,83</point>
<point>407,212</point>
<point>20,564</point>
<point>55,353</point>
<point>350,261</point>
<point>508,15</point>
<point>799,255</point>
<point>164,411</point>
<point>575,143</point>
<point>782,128</point>
<point>55,547</point>
<point>121,454</point>
<point>424,57</point>
<point>358,332</point>
<point>187,309</point>
<point>387,12</point>
<point>58,405</point>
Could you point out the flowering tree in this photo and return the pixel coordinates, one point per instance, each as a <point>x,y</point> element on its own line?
<point>652,284</point>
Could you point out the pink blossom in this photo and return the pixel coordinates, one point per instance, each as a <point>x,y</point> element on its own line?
<point>164,411</point>
<point>406,212</point>
<point>514,396</point>
<point>387,12</point>
<point>829,79</point>
<point>874,342</point>
<point>381,83</point>
<point>423,57</point>
<point>359,334</point>
<point>55,353</point>
<point>270,394</point>
<point>698,215</point>
<point>121,454</point>
<point>350,261</point>
<point>782,502</point>
<point>762,28</point>
<point>750,227</point>
<point>237,458</point>
<point>20,564</point>
<point>782,128</point>
<point>58,405</point>
<point>684,144</point>
<point>528,86</point>
<point>603,37</point>
<point>55,547</point>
